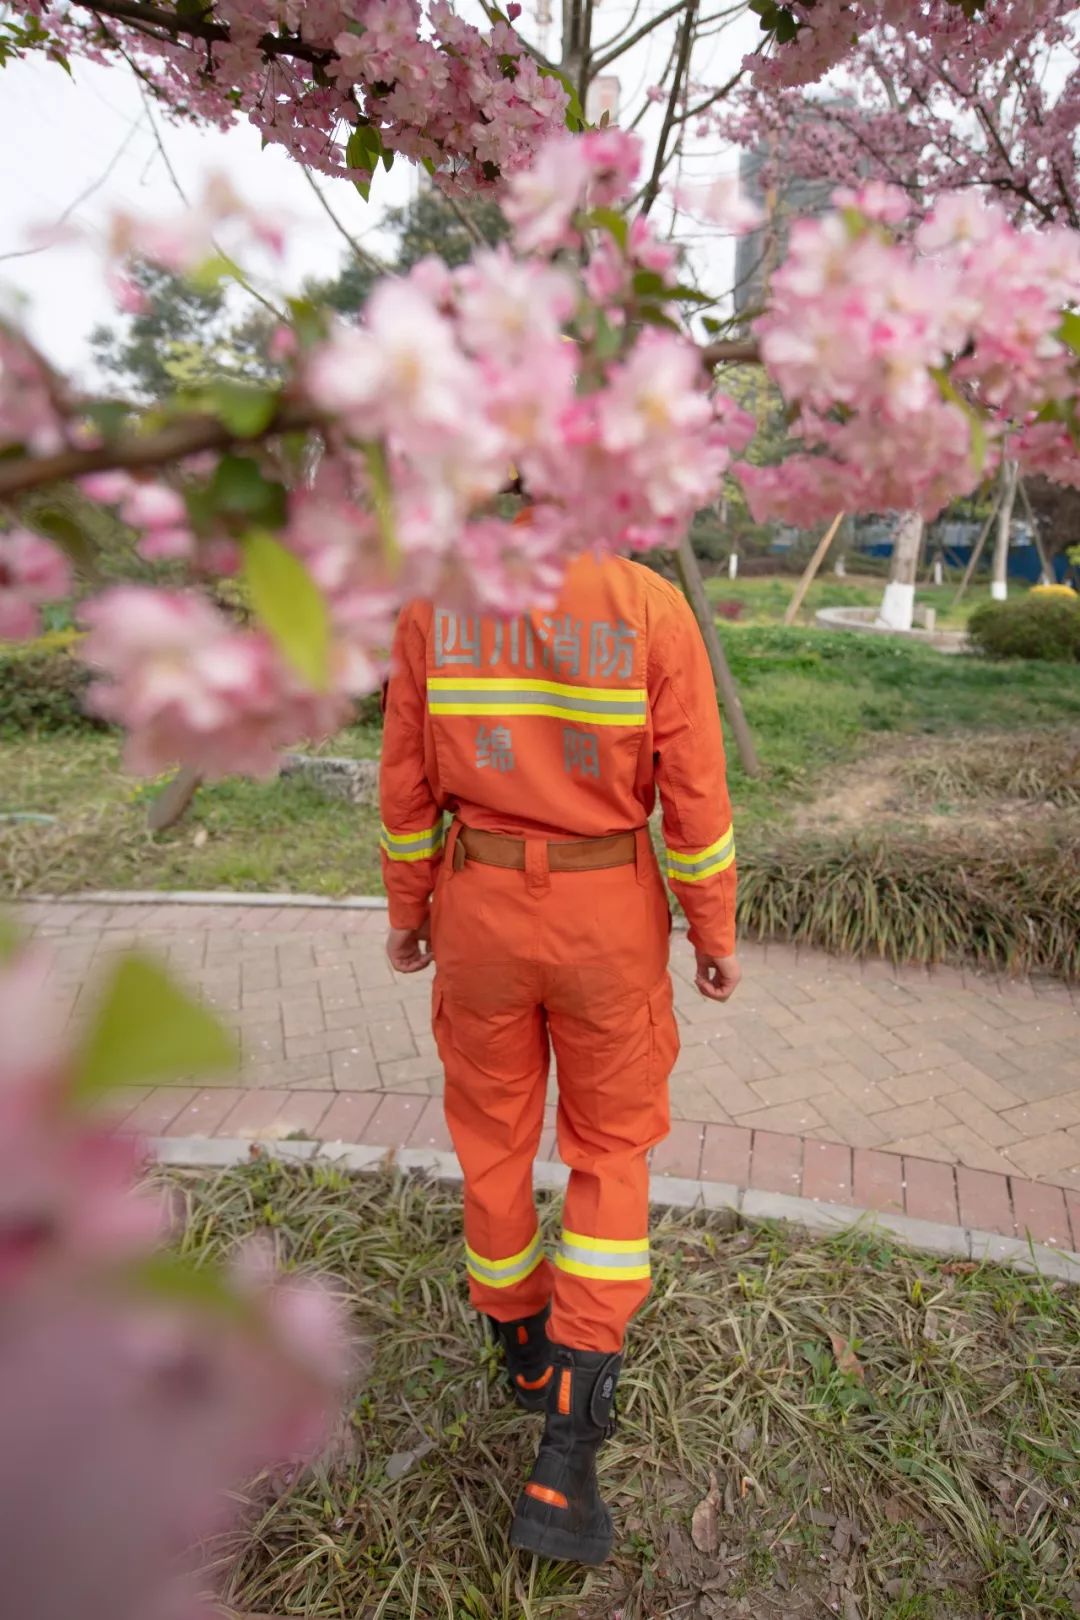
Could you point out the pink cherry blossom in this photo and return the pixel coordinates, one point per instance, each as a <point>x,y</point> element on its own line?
<point>32,571</point>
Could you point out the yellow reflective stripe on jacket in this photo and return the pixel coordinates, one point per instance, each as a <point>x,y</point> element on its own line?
<point>604,1259</point>
<point>412,846</point>
<point>501,1273</point>
<point>694,866</point>
<point>514,695</point>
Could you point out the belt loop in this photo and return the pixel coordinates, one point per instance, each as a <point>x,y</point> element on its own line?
<point>537,869</point>
<point>642,855</point>
<point>454,857</point>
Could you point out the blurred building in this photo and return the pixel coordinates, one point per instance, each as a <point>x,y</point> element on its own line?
<point>766,179</point>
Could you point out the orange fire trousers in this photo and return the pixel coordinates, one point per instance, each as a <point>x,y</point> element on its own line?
<point>574,962</point>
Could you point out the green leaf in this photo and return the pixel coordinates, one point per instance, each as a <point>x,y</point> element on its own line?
<point>363,150</point>
<point>657,315</point>
<point>239,486</point>
<point>290,605</point>
<point>379,477</point>
<point>712,325</point>
<point>146,1029</point>
<point>786,28</point>
<point>309,321</point>
<point>429,164</point>
<point>211,272</point>
<point>1069,330</point>
<point>109,416</point>
<point>617,225</point>
<point>649,283</point>
<point>170,1277</point>
<point>245,410</point>
<point>690,295</point>
<point>608,340</point>
<point>575,113</point>
<point>69,534</point>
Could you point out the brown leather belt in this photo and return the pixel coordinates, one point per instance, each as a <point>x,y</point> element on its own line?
<point>578,855</point>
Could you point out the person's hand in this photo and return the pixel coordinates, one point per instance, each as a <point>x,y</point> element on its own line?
<point>717,977</point>
<point>409,949</point>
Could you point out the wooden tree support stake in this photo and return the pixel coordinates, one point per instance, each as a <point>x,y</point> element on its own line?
<point>694,586</point>
<point>977,550</point>
<point>811,568</point>
<point>165,811</point>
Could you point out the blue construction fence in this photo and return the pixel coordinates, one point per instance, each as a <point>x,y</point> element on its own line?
<point>954,542</point>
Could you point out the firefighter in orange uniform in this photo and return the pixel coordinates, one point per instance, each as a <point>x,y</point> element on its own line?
<point>521,761</point>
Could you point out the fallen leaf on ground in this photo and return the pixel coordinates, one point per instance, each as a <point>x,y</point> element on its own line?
<point>399,1462</point>
<point>705,1523</point>
<point>846,1359</point>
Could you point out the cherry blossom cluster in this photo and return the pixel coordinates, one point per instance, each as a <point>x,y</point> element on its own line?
<point>908,360</point>
<point>524,365</point>
<point>909,110</point>
<point>161,1403</point>
<point>828,29</point>
<point>431,86</point>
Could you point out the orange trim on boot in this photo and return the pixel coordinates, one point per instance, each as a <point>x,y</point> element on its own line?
<point>544,1493</point>
<point>565,1387</point>
<point>534,1383</point>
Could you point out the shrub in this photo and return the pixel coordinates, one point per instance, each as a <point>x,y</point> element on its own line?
<point>729,609</point>
<point>993,904</point>
<point>42,685</point>
<point>1044,625</point>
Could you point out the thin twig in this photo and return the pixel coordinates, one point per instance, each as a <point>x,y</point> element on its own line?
<point>361,253</point>
<point>652,187</point>
<point>95,185</point>
<point>235,271</point>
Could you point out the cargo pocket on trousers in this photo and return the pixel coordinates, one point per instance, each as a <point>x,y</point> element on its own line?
<point>663,1031</point>
<point>440,1024</point>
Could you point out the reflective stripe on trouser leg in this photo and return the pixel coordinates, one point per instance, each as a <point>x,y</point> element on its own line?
<point>496,1063</point>
<point>496,1273</point>
<point>614,1061</point>
<point>604,1259</point>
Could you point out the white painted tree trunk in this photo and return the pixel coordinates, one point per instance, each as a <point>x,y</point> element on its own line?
<point>733,565</point>
<point>897,609</point>
<point>999,573</point>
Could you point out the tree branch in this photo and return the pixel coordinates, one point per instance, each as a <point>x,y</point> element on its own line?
<point>652,186</point>
<point>730,352</point>
<point>360,254</point>
<point>173,24</point>
<point>173,443</point>
<point>646,28</point>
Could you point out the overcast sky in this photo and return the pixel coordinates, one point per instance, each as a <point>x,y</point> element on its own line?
<point>90,137</point>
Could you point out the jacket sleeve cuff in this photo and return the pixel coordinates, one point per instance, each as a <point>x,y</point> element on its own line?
<point>408,913</point>
<point>714,942</point>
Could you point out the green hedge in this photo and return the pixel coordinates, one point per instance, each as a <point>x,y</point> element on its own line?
<point>42,685</point>
<point>1036,626</point>
<point>999,905</point>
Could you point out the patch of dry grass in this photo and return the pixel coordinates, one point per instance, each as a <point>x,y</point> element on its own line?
<point>1041,767</point>
<point>874,1434</point>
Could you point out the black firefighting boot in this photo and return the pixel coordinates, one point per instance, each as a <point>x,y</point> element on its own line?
<point>527,1349</point>
<point>560,1513</point>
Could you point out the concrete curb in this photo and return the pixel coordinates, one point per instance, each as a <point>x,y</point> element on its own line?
<point>212,897</point>
<point>666,1192</point>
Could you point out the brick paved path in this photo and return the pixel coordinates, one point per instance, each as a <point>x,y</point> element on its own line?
<point>851,1084</point>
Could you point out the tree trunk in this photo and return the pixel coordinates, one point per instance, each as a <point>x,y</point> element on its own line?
<point>693,586</point>
<point>897,609</point>
<point>999,574</point>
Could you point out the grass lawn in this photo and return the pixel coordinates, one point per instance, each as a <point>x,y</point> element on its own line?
<point>816,700</point>
<point>239,834</point>
<point>862,1431</point>
<point>765,599</point>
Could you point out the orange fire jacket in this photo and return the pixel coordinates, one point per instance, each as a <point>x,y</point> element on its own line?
<point>560,725</point>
